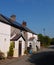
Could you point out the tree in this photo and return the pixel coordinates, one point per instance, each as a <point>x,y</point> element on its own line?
<point>45,40</point>
<point>52,41</point>
<point>41,38</point>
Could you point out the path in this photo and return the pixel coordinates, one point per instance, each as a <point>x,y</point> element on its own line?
<point>18,61</point>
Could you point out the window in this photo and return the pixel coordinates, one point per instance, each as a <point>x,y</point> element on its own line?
<point>30,45</point>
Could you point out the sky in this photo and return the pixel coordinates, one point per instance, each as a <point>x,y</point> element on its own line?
<point>39,14</point>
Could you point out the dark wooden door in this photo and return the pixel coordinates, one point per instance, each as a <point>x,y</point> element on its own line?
<point>20,48</point>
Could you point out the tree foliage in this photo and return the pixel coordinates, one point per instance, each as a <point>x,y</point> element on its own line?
<point>41,38</point>
<point>52,41</point>
<point>45,40</point>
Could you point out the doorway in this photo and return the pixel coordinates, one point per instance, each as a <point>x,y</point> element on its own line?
<point>20,48</point>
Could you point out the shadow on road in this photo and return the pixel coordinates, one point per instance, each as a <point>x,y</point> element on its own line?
<point>42,58</point>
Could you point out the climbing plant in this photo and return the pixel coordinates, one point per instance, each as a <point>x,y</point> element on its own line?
<point>11,51</point>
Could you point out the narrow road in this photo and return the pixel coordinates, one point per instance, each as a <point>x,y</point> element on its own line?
<point>42,57</point>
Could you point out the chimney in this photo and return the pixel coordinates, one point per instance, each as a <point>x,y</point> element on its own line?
<point>24,24</point>
<point>13,17</point>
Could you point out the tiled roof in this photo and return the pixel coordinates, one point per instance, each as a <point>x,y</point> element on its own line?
<point>16,37</point>
<point>7,20</point>
<point>15,24</point>
<point>28,30</point>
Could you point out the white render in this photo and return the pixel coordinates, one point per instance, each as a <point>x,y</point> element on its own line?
<point>33,42</point>
<point>16,49</point>
<point>32,35</point>
<point>4,38</point>
<point>36,36</point>
<point>29,35</point>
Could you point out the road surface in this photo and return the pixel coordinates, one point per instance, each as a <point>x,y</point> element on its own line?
<point>18,61</point>
<point>43,57</point>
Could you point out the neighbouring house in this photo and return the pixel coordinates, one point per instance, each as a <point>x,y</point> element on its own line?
<point>23,37</point>
<point>31,38</point>
<point>34,43</point>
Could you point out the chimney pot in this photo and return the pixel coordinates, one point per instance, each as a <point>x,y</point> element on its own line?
<point>24,23</point>
<point>13,17</point>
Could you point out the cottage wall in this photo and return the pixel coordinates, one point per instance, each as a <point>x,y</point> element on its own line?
<point>4,37</point>
<point>36,36</point>
<point>29,35</point>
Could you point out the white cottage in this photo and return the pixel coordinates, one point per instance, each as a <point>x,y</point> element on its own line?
<point>20,34</point>
<point>33,41</point>
<point>31,38</point>
<point>6,29</point>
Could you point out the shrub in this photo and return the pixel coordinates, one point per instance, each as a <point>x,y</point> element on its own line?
<point>11,51</point>
<point>2,55</point>
<point>25,52</point>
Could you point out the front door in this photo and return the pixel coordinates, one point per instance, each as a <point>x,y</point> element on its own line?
<point>20,47</point>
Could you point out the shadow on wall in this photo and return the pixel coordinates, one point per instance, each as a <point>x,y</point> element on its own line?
<point>42,58</point>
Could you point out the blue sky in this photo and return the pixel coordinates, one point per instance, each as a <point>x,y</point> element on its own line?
<point>38,14</point>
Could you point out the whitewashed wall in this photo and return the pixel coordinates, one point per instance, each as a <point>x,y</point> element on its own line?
<point>4,37</point>
<point>29,35</point>
<point>34,43</point>
<point>36,36</point>
<point>32,35</point>
<point>38,44</point>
